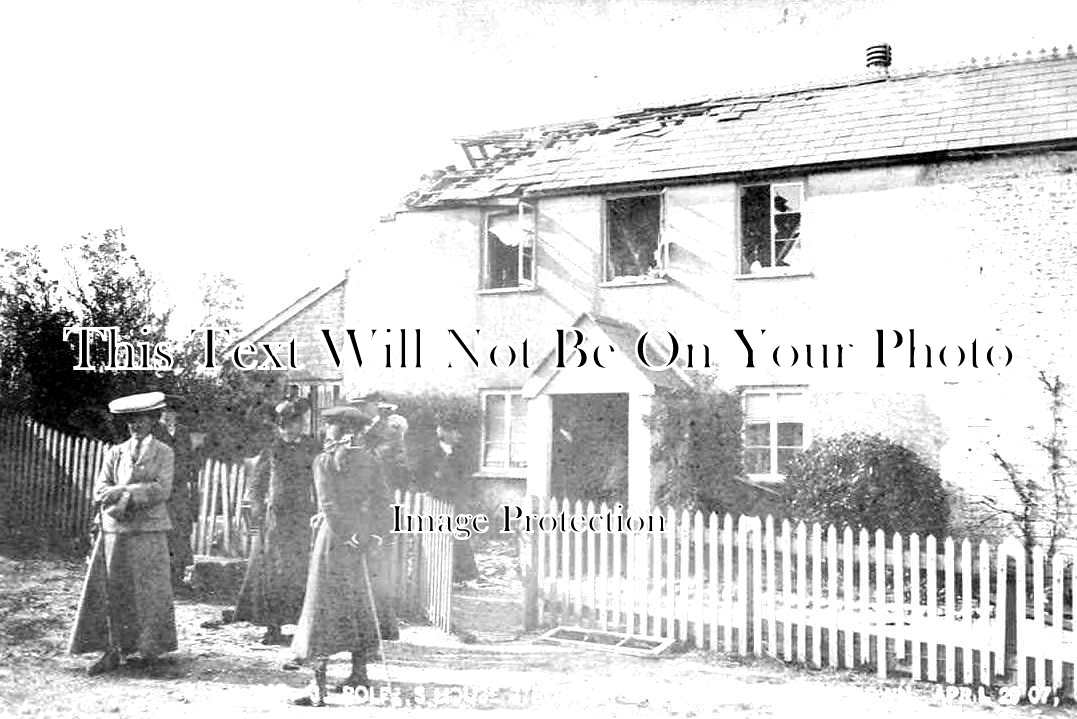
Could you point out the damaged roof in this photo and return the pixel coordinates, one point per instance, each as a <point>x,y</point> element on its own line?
<point>871,117</point>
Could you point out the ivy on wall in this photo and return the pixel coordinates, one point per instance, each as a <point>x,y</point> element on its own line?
<point>697,448</point>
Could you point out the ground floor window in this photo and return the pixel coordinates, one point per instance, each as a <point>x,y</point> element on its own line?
<point>504,431</point>
<point>774,429</point>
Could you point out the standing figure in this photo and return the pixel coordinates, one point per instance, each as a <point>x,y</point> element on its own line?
<point>278,506</point>
<point>448,483</point>
<point>182,504</point>
<point>126,602</point>
<point>385,436</point>
<point>339,614</point>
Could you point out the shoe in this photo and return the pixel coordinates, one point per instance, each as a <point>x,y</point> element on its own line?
<point>353,681</point>
<point>108,662</point>
<point>292,666</point>
<point>306,701</point>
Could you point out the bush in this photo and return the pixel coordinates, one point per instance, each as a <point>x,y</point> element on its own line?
<point>697,441</point>
<point>869,481</point>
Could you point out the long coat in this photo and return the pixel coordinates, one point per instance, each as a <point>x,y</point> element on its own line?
<point>338,614</point>
<point>182,502</point>
<point>128,584</point>
<point>281,499</point>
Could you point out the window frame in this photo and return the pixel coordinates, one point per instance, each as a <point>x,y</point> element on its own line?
<point>528,228</point>
<point>660,274</point>
<point>773,270</point>
<point>508,469</point>
<point>775,418</point>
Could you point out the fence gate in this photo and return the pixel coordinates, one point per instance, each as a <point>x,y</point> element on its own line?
<point>912,606</point>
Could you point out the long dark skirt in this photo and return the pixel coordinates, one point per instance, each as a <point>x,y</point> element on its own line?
<point>137,591</point>
<point>385,598</point>
<point>179,540</point>
<point>337,614</point>
<point>276,579</point>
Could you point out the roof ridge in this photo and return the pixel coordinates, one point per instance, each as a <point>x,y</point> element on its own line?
<point>777,90</point>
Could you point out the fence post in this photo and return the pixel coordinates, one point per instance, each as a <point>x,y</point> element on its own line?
<point>529,556</point>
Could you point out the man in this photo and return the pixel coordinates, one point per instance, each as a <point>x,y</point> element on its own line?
<point>338,609</point>
<point>182,504</point>
<point>126,603</point>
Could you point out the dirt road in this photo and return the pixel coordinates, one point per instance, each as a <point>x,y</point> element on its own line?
<point>225,672</point>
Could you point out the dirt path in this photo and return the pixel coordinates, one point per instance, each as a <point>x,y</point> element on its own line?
<point>225,672</point>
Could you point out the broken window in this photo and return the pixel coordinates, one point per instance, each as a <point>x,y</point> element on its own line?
<point>508,245</point>
<point>504,431</point>
<point>773,430</point>
<point>633,237</point>
<point>770,226</point>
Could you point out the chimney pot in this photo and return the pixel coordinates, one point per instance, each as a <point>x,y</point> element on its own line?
<point>878,57</point>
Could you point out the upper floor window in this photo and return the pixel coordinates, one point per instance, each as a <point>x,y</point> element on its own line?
<point>504,431</point>
<point>773,430</point>
<point>508,248</point>
<point>634,247</point>
<point>770,226</point>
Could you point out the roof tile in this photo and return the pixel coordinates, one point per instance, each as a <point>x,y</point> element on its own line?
<point>982,106</point>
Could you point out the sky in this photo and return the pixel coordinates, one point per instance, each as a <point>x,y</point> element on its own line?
<point>263,139</point>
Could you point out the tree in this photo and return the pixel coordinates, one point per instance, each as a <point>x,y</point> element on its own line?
<point>110,287</point>
<point>36,364</point>
<point>1043,508</point>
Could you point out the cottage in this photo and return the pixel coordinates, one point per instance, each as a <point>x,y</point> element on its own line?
<point>891,253</point>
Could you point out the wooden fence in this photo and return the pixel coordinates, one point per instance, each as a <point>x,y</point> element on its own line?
<point>935,610</point>
<point>47,477</point>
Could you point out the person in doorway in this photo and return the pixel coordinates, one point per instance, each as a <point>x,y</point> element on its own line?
<point>339,613</point>
<point>277,507</point>
<point>449,485</point>
<point>126,604</point>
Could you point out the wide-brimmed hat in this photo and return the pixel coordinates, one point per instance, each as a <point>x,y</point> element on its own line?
<point>371,397</point>
<point>344,415</point>
<point>143,403</point>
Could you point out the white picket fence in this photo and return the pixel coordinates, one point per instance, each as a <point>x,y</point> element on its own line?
<point>934,610</point>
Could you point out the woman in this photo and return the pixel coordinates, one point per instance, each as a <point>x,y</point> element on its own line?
<point>126,604</point>
<point>338,610</point>
<point>278,506</point>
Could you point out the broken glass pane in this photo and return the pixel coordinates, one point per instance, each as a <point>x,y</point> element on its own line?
<point>503,241</point>
<point>787,198</point>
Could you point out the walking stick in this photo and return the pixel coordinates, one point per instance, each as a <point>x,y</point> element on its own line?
<point>104,561</point>
<point>377,623</point>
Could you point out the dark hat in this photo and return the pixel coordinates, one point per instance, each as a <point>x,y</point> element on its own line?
<point>344,415</point>
<point>138,403</point>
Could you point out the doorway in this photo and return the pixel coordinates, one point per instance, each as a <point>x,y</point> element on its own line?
<point>589,452</point>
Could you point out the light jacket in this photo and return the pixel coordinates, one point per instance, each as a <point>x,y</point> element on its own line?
<point>148,479</point>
